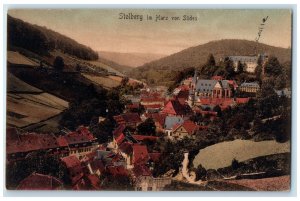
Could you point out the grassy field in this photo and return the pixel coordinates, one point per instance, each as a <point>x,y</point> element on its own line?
<point>14,84</point>
<point>107,82</point>
<point>17,58</point>
<point>281,183</point>
<point>27,109</point>
<point>221,154</point>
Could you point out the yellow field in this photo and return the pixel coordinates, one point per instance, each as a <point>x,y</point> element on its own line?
<point>26,109</point>
<point>107,82</point>
<point>17,58</point>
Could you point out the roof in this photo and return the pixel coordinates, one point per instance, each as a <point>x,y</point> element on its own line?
<point>141,170</point>
<point>205,85</point>
<point>170,121</point>
<point>126,147</point>
<point>94,181</point>
<point>128,118</point>
<point>173,107</point>
<point>153,106</point>
<point>188,125</point>
<point>243,58</point>
<point>140,154</point>
<point>71,161</point>
<point>144,137</point>
<point>82,134</point>
<point>37,181</point>
<point>242,100</point>
<point>158,118</point>
<point>117,170</point>
<point>250,84</point>
<point>31,142</point>
<point>152,99</point>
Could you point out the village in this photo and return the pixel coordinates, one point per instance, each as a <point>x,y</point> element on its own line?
<point>127,160</point>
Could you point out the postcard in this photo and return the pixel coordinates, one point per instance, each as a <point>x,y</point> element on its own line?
<point>148,99</point>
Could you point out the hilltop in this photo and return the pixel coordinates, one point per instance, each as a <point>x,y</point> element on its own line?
<point>159,71</point>
<point>130,59</point>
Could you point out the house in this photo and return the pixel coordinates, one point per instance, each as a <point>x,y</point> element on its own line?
<point>128,119</point>
<point>186,129</point>
<point>37,181</point>
<point>139,154</point>
<point>20,146</point>
<point>158,118</point>
<point>74,170</point>
<point>153,108</point>
<point>81,142</point>
<point>144,181</point>
<point>250,87</point>
<point>174,108</point>
<point>170,121</point>
<point>152,100</point>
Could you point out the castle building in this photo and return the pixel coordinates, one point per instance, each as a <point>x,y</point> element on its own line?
<point>250,62</point>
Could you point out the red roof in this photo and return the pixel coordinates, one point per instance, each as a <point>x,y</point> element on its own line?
<point>117,170</point>
<point>82,134</point>
<point>173,107</point>
<point>144,137</point>
<point>128,118</point>
<point>37,181</point>
<point>118,134</point>
<point>31,142</point>
<point>140,154</point>
<point>188,125</point>
<point>152,99</point>
<point>94,181</point>
<point>126,147</point>
<point>242,100</point>
<point>74,167</point>
<point>71,161</point>
<point>141,170</point>
<point>153,106</point>
<point>133,106</point>
<point>158,118</point>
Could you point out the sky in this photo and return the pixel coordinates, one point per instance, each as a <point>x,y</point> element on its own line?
<point>103,30</point>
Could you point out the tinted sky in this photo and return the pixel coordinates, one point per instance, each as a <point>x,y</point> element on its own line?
<point>103,30</point>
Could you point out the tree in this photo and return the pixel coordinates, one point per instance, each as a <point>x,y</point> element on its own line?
<point>273,67</point>
<point>147,127</point>
<point>201,173</point>
<point>103,130</point>
<point>58,63</point>
<point>280,81</point>
<point>211,60</point>
<point>235,164</point>
<point>218,109</point>
<point>240,68</point>
<point>124,81</point>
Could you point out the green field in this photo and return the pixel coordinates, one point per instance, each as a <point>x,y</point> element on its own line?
<point>221,154</point>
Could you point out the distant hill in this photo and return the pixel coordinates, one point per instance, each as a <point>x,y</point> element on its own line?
<point>41,40</point>
<point>130,59</point>
<point>160,71</point>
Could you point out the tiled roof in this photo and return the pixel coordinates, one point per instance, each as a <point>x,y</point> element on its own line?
<point>117,170</point>
<point>31,142</point>
<point>157,117</point>
<point>140,154</point>
<point>173,107</point>
<point>216,77</point>
<point>242,100</point>
<point>37,181</point>
<point>153,106</point>
<point>82,134</point>
<point>127,118</point>
<point>71,161</point>
<point>126,147</point>
<point>205,85</point>
<point>144,137</point>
